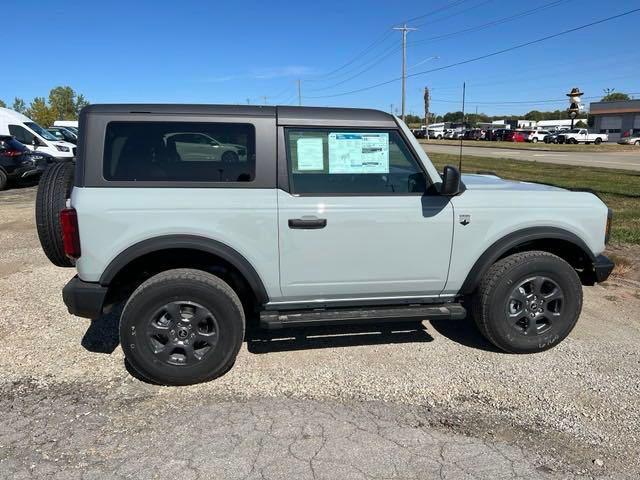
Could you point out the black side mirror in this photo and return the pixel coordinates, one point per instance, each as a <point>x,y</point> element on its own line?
<point>451,181</point>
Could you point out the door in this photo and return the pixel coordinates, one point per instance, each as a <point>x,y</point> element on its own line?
<point>357,222</point>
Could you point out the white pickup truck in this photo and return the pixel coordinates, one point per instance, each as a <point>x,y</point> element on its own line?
<point>582,135</point>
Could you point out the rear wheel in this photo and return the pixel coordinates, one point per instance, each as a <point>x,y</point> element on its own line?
<point>598,141</point>
<point>182,327</point>
<point>53,191</point>
<point>3,180</point>
<point>230,157</point>
<point>534,140</point>
<point>637,144</point>
<point>528,302</point>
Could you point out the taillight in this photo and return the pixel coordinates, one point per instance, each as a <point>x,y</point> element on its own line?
<point>70,232</point>
<point>12,153</point>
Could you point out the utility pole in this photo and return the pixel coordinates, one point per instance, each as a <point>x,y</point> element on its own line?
<point>248,101</point>
<point>404,29</point>
<point>264,97</point>
<point>426,111</point>
<point>299,94</point>
<point>391,109</point>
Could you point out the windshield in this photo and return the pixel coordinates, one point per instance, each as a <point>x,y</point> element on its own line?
<point>73,129</point>
<point>40,131</point>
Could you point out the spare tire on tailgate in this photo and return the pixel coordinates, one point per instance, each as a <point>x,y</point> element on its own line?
<point>53,190</point>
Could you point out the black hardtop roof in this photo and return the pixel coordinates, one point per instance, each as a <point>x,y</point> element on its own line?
<point>286,115</point>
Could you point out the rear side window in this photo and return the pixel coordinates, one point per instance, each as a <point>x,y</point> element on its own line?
<point>336,161</point>
<point>180,152</point>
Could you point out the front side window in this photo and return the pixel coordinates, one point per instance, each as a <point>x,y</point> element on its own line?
<point>21,134</point>
<point>180,152</point>
<point>341,161</point>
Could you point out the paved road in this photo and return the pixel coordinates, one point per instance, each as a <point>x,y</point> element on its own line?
<point>620,160</point>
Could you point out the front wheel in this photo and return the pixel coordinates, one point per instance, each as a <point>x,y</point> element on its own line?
<point>182,327</point>
<point>528,302</point>
<point>534,140</point>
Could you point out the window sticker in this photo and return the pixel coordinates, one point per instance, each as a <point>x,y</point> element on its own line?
<point>359,152</point>
<point>310,154</point>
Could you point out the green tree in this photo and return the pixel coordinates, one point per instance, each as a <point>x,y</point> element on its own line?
<point>616,97</point>
<point>580,124</point>
<point>40,112</point>
<point>66,103</point>
<point>81,102</point>
<point>2,104</point>
<point>452,117</point>
<point>19,105</point>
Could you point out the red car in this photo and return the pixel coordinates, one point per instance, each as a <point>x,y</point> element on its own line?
<point>513,136</point>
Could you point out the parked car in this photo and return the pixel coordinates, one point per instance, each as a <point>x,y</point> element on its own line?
<point>280,236</point>
<point>513,136</point>
<point>582,135</point>
<point>33,136</point>
<point>437,134</point>
<point>419,132</point>
<point>71,124</point>
<point>455,134</point>
<point>495,134</point>
<point>18,163</point>
<point>473,134</point>
<point>535,136</point>
<point>630,137</point>
<point>64,133</point>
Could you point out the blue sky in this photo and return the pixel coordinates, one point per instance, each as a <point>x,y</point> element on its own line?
<point>228,52</point>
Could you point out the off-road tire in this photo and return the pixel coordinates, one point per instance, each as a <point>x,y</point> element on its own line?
<point>491,299</point>
<point>182,285</point>
<point>54,189</point>
<point>3,180</point>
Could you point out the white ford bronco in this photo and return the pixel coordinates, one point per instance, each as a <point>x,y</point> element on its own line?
<point>201,218</point>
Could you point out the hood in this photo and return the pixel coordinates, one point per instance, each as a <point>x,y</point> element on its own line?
<point>493,182</point>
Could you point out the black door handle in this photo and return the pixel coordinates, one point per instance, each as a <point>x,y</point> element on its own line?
<point>309,224</point>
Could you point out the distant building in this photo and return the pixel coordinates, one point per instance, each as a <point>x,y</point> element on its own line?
<point>556,124</point>
<point>615,118</point>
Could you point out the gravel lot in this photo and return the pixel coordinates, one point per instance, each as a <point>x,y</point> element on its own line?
<point>428,400</point>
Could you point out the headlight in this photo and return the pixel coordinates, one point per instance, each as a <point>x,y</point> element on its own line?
<point>62,148</point>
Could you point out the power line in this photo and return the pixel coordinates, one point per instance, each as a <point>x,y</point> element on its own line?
<point>382,38</point>
<point>482,57</point>
<point>498,21</point>
<point>387,53</point>
<point>525,102</point>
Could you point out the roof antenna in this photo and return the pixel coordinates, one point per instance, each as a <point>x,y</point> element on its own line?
<point>464,88</point>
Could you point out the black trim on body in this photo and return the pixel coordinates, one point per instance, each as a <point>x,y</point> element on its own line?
<point>499,248</point>
<point>84,299</point>
<point>188,242</point>
<point>602,267</point>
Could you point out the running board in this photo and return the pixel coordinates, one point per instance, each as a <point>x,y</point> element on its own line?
<point>272,320</point>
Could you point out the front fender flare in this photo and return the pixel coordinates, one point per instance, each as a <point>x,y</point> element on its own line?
<point>513,240</point>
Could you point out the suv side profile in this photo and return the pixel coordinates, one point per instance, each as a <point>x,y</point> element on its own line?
<point>321,216</point>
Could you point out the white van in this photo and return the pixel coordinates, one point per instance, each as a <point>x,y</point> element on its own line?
<point>27,131</point>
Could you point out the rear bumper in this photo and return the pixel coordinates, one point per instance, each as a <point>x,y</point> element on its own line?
<point>84,299</point>
<point>602,268</point>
